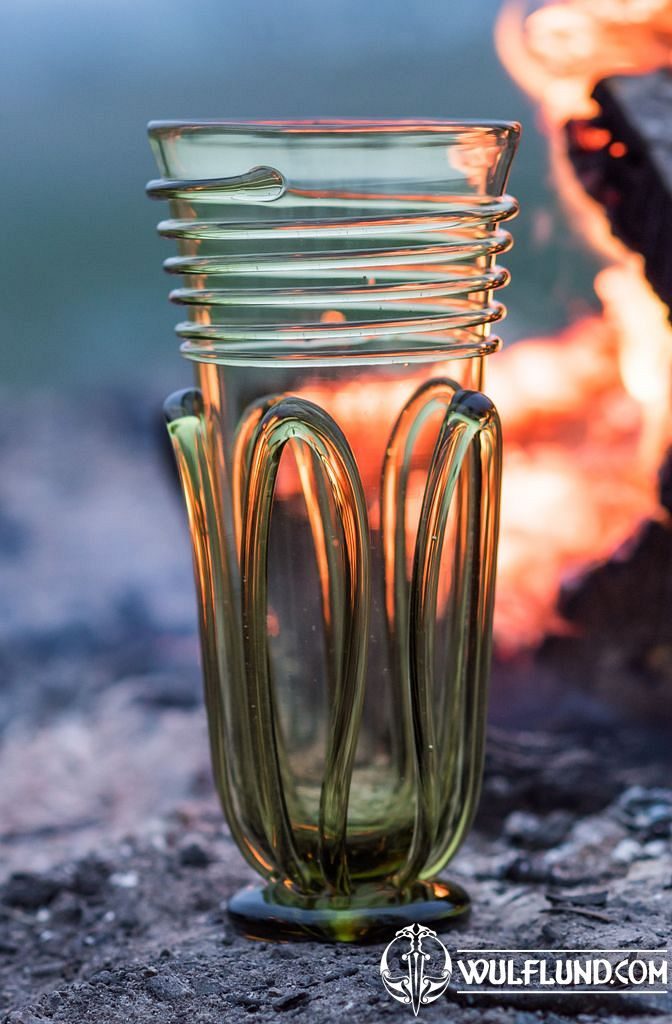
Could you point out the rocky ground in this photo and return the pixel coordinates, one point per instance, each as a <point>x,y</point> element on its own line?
<point>115,863</point>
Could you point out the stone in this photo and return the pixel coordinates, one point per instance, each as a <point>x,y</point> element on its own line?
<point>626,851</point>
<point>193,855</point>
<point>168,987</point>
<point>535,832</point>
<point>291,1001</point>
<point>90,876</point>
<point>30,891</point>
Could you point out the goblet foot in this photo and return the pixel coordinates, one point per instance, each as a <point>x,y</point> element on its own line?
<point>372,914</point>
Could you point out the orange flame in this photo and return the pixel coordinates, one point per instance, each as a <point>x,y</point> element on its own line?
<point>587,414</point>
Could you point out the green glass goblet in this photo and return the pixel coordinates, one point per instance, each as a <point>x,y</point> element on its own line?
<point>341,468</point>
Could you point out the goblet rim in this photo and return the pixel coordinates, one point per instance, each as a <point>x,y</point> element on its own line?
<point>320,127</point>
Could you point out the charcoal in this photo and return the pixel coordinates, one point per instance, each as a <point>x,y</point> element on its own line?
<point>193,855</point>
<point>619,641</point>
<point>632,180</point>
<point>30,891</point>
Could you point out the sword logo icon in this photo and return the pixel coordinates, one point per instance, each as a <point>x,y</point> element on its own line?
<point>427,963</point>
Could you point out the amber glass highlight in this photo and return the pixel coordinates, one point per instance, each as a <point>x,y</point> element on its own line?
<point>341,468</point>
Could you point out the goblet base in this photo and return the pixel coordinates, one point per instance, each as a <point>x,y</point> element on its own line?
<point>372,914</point>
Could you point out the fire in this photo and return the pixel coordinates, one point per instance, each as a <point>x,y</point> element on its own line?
<point>575,482</point>
<point>561,50</point>
<point>587,413</point>
<point>575,485</point>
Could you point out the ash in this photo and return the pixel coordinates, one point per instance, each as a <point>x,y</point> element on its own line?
<point>115,863</point>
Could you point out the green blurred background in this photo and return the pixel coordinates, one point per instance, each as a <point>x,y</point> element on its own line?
<point>84,296</point>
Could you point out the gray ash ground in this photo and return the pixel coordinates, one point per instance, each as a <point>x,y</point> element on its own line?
<point>115,863</point>
<point>138,930</point>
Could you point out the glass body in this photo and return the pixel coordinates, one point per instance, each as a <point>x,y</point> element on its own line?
<point>341,468</point>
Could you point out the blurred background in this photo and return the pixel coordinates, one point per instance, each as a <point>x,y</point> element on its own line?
<point>101,722</point>
<point>103,745</point>
<point>84,298</point>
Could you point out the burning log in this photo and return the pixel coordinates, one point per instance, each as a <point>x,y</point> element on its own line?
<point>618,641</point>
<point>623,158</point>
<point>620,638</point>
